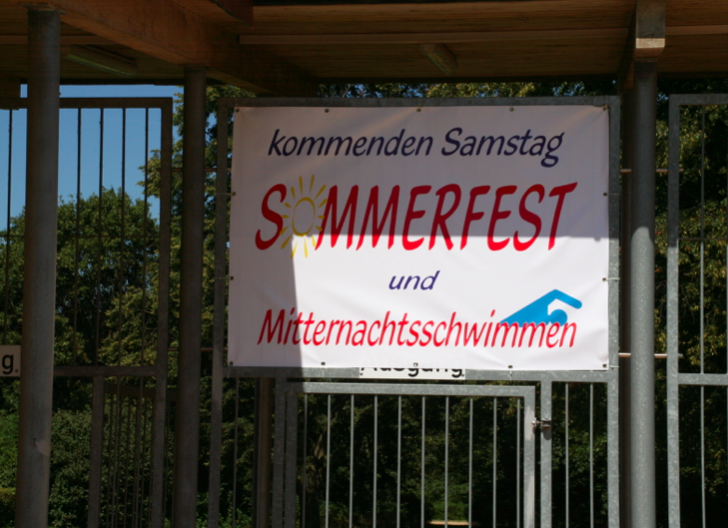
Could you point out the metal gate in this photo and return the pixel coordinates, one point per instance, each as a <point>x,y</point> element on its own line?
<point>570,418</point>
<point>294,456</point>
<point>112,314</point>
<point>697,378</point>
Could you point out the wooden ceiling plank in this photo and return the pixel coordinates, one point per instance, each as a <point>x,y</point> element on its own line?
<point>164,30</point>
<point>454,38</point>
<point>66,40</point>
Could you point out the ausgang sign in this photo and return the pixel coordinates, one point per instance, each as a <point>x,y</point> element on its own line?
<point>434,237</point>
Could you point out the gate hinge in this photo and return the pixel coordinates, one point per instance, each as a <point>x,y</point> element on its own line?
<point>543,424</point>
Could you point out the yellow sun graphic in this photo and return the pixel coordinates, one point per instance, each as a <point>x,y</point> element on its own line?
<point>303,221</point>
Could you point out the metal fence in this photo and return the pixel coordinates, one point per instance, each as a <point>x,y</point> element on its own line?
<point>393,426</point>
<point>112,311</point>
<point>697,375</point>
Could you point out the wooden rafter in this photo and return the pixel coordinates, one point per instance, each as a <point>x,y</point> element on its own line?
<point>166,31</point>
<point>646,39</point>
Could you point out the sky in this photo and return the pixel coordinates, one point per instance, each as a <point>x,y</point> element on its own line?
<point>12,154</point>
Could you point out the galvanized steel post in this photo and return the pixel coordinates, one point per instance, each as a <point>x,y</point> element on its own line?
<point>187,425</point>
<point>642,298</point>
<point>39,275</point>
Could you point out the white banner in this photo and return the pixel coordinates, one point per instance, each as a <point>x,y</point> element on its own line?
<point>443,237</point>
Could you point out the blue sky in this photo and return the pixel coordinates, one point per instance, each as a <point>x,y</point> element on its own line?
<point>12,160</point>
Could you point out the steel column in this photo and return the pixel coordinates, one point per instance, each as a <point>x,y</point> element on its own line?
<point>642,298</point>
<point>39,275</point>
<point>187,425</point>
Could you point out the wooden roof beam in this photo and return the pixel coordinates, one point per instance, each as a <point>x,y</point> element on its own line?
<point>645,41</point>
<point>165,30</point>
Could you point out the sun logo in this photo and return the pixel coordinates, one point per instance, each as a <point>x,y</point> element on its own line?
<point>303,221</point>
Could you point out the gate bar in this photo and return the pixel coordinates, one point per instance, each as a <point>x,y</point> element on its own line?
<point>218,336</point>
<point>39,274</point>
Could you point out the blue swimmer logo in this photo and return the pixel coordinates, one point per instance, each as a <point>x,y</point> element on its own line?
<point>538,311</point>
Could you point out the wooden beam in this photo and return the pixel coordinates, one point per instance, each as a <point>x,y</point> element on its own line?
<point>69,40</point>
<point>9,87</point>
<point>646,39</point>
<point>240,9</point>
<point>440,57</point>
<point>469,36</point>
<point>166,31</point>
<point>431,38</point>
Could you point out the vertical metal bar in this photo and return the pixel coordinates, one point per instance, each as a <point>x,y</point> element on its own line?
<point>673,225</point>
<point>615,332</point>
<point>328,458</point>
<point>529,459</point>
<point>278,454</point>
<point>399,455</point>
<point>519,502</point>
<point>591,455</point>
<point>351,464</point>
<point>447,454</point>
<point>77,240</point>
<point>566,449</point>
<point>146,457</point>
<point>546,462</point>
<point>262,447</point>
<point>39,273</point>
<point>99,238</point>
<point>144,238</point>
<point>117,447</point>
<point>702,310</point>
<point>376,441</point>
<point>236,429</point>
<point>625,494</point>
<point>128,454</point>
<point>187,427</point>
<point>642,295</point>
<point>291,459</point>
<point>305,464</point>
<point>218,331</point>
<point>422,467</point>
<point>168,461</point>
<point>702,453</point>
<point>138,450</point>
<point>7,232</point>
<point>97,448</point>
<point>495,459</point>
<point>121,238</point>
<point>110,458</point>
<point>702,241</point>
<point>470,465</point>
<point>159,409</point>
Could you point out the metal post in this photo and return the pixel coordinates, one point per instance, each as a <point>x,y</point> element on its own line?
<point>642,294</point>
<point>262,451</point>
<point>39,274</point>
<point>188,381</point>
<point>625,494</point>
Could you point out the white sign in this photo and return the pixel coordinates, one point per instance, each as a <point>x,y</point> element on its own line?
<point>9,361</point>
<point>412,373</point>
<point>443,237</point>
